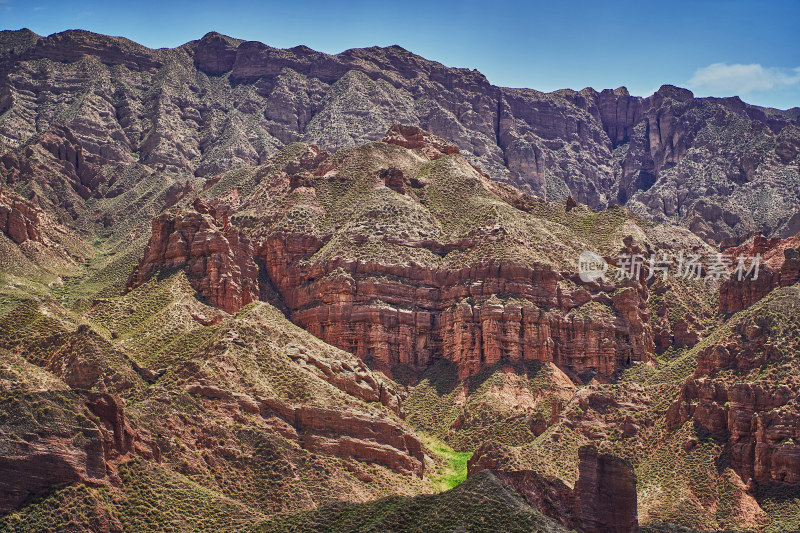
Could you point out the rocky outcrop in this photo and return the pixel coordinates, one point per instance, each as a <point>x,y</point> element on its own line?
<point>779,267</point>
<point>79,166</point>
<point>475,313</point>
<point>758,423</point>
<point>756,418</point>
<point>217,257</point>
<point>353,378</point>
<point>176,193</point>
<point>51,461</point>
<point>414,138</point>
<point>121,440</point>
<point>602,500</point>
<point>344,433</point>
<point>456,315</point>
<point>31,464</point>
<point>605,494</point>
<point>19,219</point>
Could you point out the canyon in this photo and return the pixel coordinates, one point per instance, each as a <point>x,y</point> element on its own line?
<point>251,288</point>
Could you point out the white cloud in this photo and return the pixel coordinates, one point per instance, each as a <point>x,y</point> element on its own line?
<point>722,78</point>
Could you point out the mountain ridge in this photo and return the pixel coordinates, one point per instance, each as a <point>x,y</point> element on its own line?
<point>218,103</point>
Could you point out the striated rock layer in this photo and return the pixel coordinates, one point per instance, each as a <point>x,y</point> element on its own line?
<point>452,296</point>
<point>19,219</point>
<point>744,393</point>
<point>456,315</point>
<point>217,257</point>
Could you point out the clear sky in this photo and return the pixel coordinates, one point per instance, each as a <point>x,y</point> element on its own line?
<point>715,48</point>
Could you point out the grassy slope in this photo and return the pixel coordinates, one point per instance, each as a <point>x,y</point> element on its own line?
<point>482,503</point>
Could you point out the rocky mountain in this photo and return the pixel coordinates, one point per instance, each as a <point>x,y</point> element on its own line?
<point>244,288</point>
<point>108,110</point>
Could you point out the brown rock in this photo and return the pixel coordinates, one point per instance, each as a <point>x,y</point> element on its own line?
<point>176,193</point>
<point>444,324</point>
<point>757,420</point>
<point>780,267</point>
<point>347,434</point>
<point>217,258</point>
<point>20,219</point>
<point>605,493</point>
<point>415,138</point>
<point>32,464</point>
<point>603,499</point>
<point>394,179</point>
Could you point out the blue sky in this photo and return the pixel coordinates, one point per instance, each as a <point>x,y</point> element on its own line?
<point>715,48</point>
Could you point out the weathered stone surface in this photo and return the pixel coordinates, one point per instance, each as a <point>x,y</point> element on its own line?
<point>415,138</point>
<point>779,267</point>
<point>605,494</point>
<point>217,257</point>
<point>756,418</point>
<point>428,311</point>
<point>603,499</point>
<point>756,421</point>
<point>346,434</point>
<point>338,310</point>
<point>32,464</point>
<point>19,219</point>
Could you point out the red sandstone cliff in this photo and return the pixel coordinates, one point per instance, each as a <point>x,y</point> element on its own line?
<point>780,267</point>
<point>19,219</point>
<point>734,397</point>
<point>55,458</point>
<point>390,312</point>
<point>217,257</point>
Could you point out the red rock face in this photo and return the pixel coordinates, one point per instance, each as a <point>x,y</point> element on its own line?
<point>605,494</point>
<point>343,434</point>
<point>391,314</point>
<point>603,499</point>
<point>780,267</point>
<point>19,219</point>
<point>80,167</point>
<point>121,440</point>
<point>454,314</point>
<point>758,420</point>
<point>414,138</point>
<point>354,379</point>
<point>217,257</point>
<point>336,432</point>
<point>54,458</point>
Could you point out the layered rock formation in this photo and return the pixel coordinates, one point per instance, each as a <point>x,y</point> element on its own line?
<point>756,421</point>
<point>451,300</point>
<point>258,409</point>
<point>778,265</point>
<point>217,257</point>
<point>19,219</point>
<point>445,323</point>
<point>345,434</point>
<point>32,464</point>
<point>411,254</point>
<point>733,395</point>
